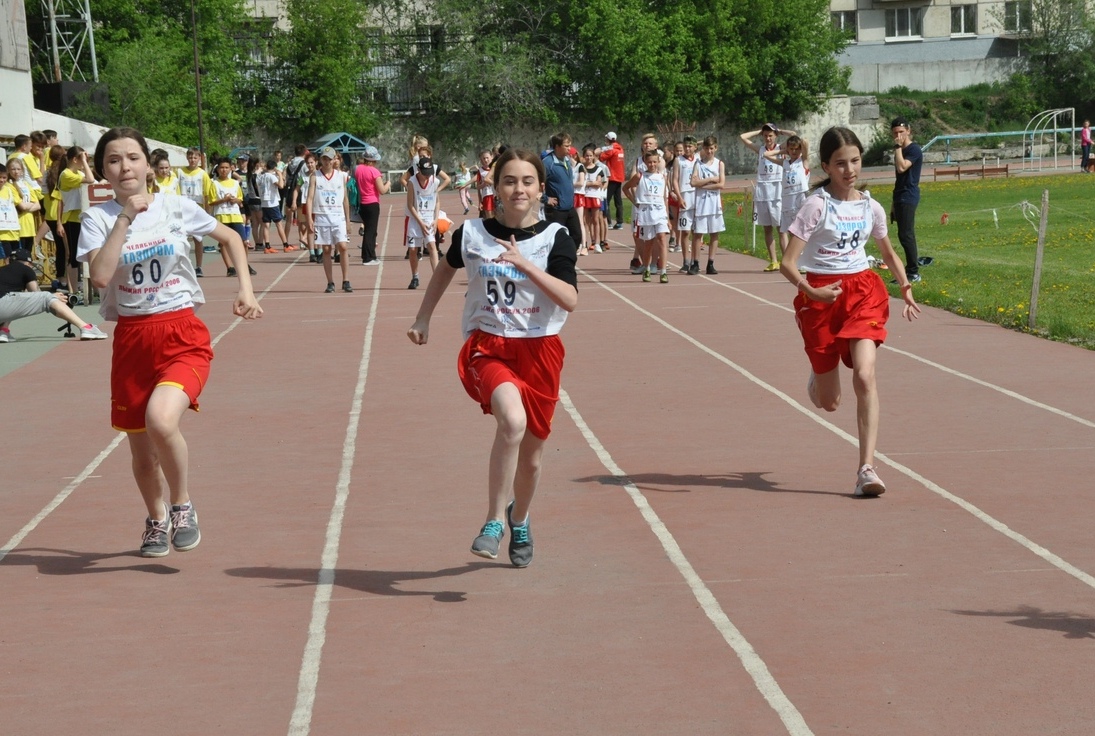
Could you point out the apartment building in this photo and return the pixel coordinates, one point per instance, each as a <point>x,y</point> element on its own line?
<point>929,44</point>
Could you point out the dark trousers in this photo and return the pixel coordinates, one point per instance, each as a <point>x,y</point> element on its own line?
<point>905,217</point>
<point>370,217</point>
<point>614,194</point>
<point>568,219</point>
<point>1085,156</point>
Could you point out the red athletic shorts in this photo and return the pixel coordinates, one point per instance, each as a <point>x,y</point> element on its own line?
<point>488,203</point>
<point>860,312</point>
<point>532,364</point>
<point>169,349</point>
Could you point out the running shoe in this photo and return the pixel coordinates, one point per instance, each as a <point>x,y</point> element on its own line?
<point>156,540</point>
<point>91,332</point>
<point>268,249</point>
<point>209,249</point>
<point>185,533</point>
<point>664,278</point>
<point>711,268</point>
<point>198,272</point>
<point>231,272</point>
<point>618,226</point>
<point>773,266</point>
<point>347,288</point>
<point>414,282</point>
<point>5,337</point>
<point>598,249</point>
<point>337,258</point>
<point>490,536</point>
<point>520,540</point>
<point>251,271</point>
<point>288,248</point>
<point>374,262</point>
<point>685,268</point>
<point>646,275</point>
<point>330,288</point>
<point>636,266</point>
<point>867,482</point>
<point>694,269</point>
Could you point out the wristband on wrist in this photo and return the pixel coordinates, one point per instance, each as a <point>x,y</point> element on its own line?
<point>127,217</point>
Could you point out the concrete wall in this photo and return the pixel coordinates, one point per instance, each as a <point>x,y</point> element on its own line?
<point>936,75</point>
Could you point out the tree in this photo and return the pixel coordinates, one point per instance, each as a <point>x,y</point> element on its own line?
<point>1057,55</point>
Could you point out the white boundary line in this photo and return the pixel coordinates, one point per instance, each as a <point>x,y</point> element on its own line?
<point>750,660</point>
<point>992,522</point>
<point>91,467</point>
<point>308,682</point>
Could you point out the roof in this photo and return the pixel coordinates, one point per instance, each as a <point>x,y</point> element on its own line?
<point>341,142</point>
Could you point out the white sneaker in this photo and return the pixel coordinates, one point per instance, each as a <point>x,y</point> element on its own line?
<point>597,248</point>
<point>5,337</point>
<point>868,483</point>
<point>92,333</point>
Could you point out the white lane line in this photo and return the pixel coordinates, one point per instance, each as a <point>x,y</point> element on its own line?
<point>308,681</point>
<point>985,518</point>
<point>750,660</point>
<point>90,468</point>
<point>939,366</point>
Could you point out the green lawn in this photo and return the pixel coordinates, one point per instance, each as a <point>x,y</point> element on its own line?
<point>985,268</point>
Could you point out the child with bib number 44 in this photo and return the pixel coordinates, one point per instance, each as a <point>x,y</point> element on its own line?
<point>842,305</point>
<point>138,250</point>
<point>521,286</point>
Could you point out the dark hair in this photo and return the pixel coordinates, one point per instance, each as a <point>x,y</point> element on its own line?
<point>160,155</point>
<point>222,160</point>
<point>832,141</point>
<point>710,141</point>
<point>20,140</point>
<point>559,139</point>
<point>300,149</point>
<point>519,154</point>
<point>49,133</point>
<point>3,169</point>
<point>271,163</point>
<point>194,149</point>
<point>115,134</point>
<point>37,136</point>
<point>60,160</point>
<point>899,122</point>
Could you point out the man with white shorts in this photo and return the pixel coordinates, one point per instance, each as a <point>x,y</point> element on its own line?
<point>767,193</point>
<point>685,194</point>
<point>329,208</point>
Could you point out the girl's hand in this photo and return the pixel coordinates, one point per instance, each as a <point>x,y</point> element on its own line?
<point>137,204</point>
<point>512,255</point>
<point>246,305</point>
<point>419,332</point>
<point>911,310</point>
<point>827,293</point>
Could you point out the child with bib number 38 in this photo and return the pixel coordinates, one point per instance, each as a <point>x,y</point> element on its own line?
<point>138,250</point>
<point>521,286</point>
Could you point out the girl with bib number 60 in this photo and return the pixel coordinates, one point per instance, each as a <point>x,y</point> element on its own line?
<point>521,286</point>
<point>138,249</point>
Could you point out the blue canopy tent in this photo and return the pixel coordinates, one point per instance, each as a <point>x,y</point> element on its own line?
<point>348,145</point>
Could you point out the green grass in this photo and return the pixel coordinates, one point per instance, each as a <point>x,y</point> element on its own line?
<point>986,272</point>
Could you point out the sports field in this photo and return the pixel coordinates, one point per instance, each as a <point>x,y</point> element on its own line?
<point>701,565</point>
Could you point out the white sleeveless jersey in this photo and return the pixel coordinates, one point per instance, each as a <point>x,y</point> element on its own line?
<point>425,197</point>
<point>330,192</point>
<point>481,175</point>
<point>192,186</point>
<point>684,173</point>
<point>796,178</point>
<point>500,299</point>
<point>594,176</point>
<point>650,200</point>
<point>708,201</point>
<point>769,178</point>
<point>154,273</point>
<point>840,233</point>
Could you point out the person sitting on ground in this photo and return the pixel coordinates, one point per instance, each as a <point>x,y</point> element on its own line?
<point>20,297</point>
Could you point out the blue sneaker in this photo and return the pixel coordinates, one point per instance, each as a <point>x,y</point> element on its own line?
<point>490,536</point>
<point>520,540</point>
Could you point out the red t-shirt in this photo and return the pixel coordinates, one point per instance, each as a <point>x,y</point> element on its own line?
<point>613,156</point>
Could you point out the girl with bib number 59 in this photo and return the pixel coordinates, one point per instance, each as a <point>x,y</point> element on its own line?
<point>842,305</point>
<point>521,286</point>
<point>138,250</point>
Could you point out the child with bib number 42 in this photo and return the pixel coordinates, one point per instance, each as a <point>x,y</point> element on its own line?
<point>842,305</point>
<point>521,286</point>
<point>138,250</point>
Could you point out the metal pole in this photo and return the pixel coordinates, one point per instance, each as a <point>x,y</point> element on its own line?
<point>52,10</point>
<point>1033,318</point>
<point>197,77</point>
<point>91,41</point>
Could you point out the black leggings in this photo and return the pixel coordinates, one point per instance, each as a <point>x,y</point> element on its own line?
<point>370,218</point>
<point>614,195</point>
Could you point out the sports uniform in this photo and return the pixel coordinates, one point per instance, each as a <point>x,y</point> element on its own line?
<point>70,192</point>
<point>836,233</point>
<point>708,217</point>
<point>766,192</point>
<point>327,206</point>
<point>269,196</point>
<point>152,295</point>
<point>168,185</point>
<point>486,192</point>
<point>796,182</point>
<point>650,213</point>
<point>511,328</point>
<point>686,214</point>
<point>425,202</point>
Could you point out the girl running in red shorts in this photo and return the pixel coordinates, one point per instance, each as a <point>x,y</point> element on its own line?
<point>521,286</point>
<point>842,306</point>
<point>138,250</point>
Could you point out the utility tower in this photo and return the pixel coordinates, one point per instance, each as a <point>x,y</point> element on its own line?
<point>70,40</point>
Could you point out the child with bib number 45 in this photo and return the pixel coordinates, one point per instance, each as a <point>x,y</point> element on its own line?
<point>138,250</point>
<point>521,286</point>
<point>842,305</point>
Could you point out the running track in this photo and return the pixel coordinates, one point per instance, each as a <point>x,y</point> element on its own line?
<point>701,567</point>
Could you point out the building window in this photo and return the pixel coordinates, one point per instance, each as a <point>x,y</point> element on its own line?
<point>1017,16</point>
<point>845,21</point>
<point>904,23</point>
<point>963,20</point>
